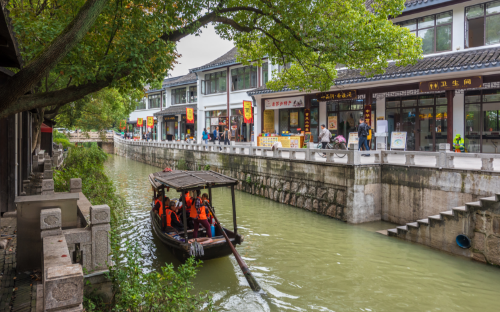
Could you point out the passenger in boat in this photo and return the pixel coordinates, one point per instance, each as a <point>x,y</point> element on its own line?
<point>159,205</point>
<point>172,219</point>
<point>201,217</point>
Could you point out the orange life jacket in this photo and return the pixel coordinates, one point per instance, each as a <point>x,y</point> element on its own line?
<point>203,213</point>
<point>170,213</point>
<point>193,213</point>
<point>160,212</point>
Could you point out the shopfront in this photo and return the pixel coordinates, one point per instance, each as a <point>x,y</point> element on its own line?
<point>482,121</point>
<point>290,113</point>
<point>187,130</point>
<point>240,131</point>
<point>216,119</point>
<point>422,117</point>
<point>170,128</point>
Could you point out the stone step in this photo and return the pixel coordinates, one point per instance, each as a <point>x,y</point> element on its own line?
<point>447,213</point>
<point>490,199</point>
<point>436,217</point>
<point>461,208</point>
<point>475,204</point>
<point>402,228</point>
<point>395,231</point>
<point>412,224</point>
<point>424,221</point>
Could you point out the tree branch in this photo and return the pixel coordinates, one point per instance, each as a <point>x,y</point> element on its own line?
<point>27,77</point>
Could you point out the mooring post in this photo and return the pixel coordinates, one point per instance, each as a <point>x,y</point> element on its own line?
<point>234,211</point>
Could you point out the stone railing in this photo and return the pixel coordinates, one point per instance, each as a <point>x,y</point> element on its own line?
<point>91,136</point>
<point>441,159</point>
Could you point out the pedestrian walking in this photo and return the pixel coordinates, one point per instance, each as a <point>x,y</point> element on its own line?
<point>324,137</point>
<point>205,136</point>
<point>363,132</point>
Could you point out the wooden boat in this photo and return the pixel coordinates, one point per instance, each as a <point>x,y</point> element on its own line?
<point>188,181</point>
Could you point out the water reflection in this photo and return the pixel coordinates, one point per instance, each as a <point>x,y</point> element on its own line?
<point>307,262</point>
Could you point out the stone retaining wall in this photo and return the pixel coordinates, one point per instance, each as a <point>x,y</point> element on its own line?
<point>348,193</point>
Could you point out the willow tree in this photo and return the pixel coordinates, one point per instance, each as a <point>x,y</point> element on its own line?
<point>74,48</point>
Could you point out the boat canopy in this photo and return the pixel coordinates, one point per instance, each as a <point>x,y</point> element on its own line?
<point>182,180</point>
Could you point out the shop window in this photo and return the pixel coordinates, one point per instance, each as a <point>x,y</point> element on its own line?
<point>482,24</point>
<point>141,104</point>
<point>179,96</point>
<point>214,83</point>
<point>435,31</point>
<point>154,101</point>
<point>426,100</point>
<point>193,94</point>
<point>243,78</point>
<point>265,73</point>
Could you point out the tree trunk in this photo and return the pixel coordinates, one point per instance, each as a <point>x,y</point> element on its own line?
<point>37,120</point>
<point>27,77</point>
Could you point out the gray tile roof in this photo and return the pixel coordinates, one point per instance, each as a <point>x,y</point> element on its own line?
<point>182,80</point>
<point>457,62</point>
<point>226,59</point>
<point>176,110</point>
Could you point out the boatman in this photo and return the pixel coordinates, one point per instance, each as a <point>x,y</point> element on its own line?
<point>458,144</point>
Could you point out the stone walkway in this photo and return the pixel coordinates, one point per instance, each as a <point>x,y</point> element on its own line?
<point>17,289</point>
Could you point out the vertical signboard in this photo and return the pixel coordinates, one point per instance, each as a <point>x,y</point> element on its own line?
<point>123,124</point>
<point>307,120</point>
<point>268,121</point>
<point>247,112</point>
<point>189,115</point>
<point>140,122</point>
<point>368,114</point>
<point>150,122</point>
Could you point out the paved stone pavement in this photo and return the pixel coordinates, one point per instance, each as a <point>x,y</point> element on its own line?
<point>17,289</point>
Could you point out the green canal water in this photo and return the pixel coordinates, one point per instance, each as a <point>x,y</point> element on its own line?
<point>308,262</point>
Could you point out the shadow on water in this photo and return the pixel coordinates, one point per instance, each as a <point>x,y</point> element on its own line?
<point>308,262</point>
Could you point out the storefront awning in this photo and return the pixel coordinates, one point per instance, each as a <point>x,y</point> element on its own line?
<point>176,110</point>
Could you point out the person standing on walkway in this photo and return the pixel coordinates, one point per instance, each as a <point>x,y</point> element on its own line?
<point>324,137</point>
<point>458,144</point>
<point>363,131</point>
<point>205,135</point>
<point>227,136</point>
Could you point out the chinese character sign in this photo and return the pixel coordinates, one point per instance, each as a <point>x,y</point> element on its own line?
<point>367,114</point>
<point>338,95</point>
<point>247,112</point>
<point>140,122</point>
<point>451,84</point>
<point>292,102</point>
<point>150,122</point>
<point>307,120</point>
<point>189,115</point>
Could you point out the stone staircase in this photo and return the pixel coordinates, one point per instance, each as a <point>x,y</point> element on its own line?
<point>479,221</point>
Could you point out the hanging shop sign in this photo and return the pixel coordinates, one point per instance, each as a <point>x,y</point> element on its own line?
<point>268,121</point>
<point>451,84</point>
<point>338,95</point>
<point>307,120</point>
<point>140,122</point>
<point>247,112</point>
<point>398,140</point>
<point>150,121</point>
<point>291,102</point>
<point>123,124</point>
<point>189,115</point>
<point>170,118</point>
<point>368,114</point>
<point>332,122</point>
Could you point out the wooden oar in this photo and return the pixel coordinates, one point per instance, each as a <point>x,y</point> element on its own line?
<point>244,268</point>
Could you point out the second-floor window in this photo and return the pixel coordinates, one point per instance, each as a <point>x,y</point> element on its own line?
<point>154,101</point>
<point>193,94</point>
<point>265,73</point>
<point>243,78</point>
<point>435,31</point>
<point>141,104</point>
<point>482,24</point>
<point>214,83</point>
<point>179,96</point>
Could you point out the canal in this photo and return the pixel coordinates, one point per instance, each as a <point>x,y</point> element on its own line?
<point>308,262</point>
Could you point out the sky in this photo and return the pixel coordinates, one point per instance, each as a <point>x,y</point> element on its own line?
<point>197,51</point>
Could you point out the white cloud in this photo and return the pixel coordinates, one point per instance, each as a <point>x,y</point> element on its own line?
<point>199,50</point>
